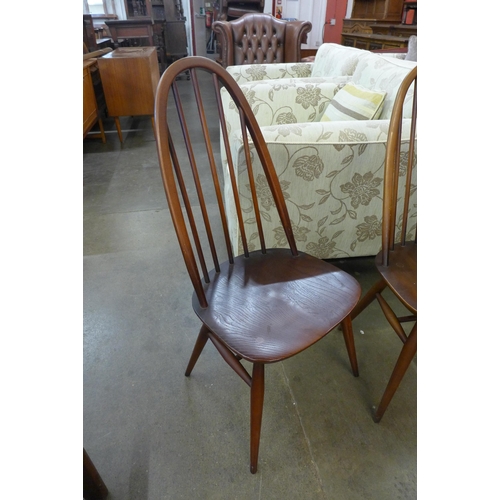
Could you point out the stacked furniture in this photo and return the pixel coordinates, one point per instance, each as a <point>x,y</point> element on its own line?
<point>330,164</point>
<point>146,25</point>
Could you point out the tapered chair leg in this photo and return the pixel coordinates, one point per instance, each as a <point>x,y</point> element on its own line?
<point>370,296</point>
<point>407,354</point>
<point>198,348</point>
<point>349,342</point>
<point>256,407</point>
<point>119,128</point>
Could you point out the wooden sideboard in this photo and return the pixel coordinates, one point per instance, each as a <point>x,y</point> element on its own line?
<point>90,109</point>
<point>379,24</point>
<point>372,41</point>
<point>129,77</point>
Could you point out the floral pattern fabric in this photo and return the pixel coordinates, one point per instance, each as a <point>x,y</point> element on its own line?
<point>256,72</point>
<point>331,173</point>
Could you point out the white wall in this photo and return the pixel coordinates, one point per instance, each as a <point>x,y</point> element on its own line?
<point>187,15</point>
<point>308,10</point>
<point>348,13</point>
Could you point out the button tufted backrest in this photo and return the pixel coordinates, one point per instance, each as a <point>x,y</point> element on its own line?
<point>259,39</point>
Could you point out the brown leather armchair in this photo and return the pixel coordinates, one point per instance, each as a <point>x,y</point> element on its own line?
<point>259,39</point>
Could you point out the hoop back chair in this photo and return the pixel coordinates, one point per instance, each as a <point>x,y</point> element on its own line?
<point>262,306</point>
<point>397,261</point>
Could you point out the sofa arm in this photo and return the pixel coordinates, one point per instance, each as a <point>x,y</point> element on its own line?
<point>331,175</point>
<point>254,72</point>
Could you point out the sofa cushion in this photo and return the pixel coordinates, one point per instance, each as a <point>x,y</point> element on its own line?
<point>382,75</point>
<point>335,60</point>
<point>354,102</point>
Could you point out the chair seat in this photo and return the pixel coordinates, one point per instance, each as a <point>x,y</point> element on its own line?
<point>401,274</point>
<point>268,307</point>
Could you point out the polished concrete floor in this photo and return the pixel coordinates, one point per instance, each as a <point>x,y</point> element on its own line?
<point>154,433</point>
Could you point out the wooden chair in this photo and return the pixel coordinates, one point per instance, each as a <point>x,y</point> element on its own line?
<point>262,306</point>
<point>397,261</point>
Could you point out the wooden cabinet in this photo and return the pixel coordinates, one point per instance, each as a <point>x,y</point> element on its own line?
<point>138,8</point>
<point>382,10</point>
<point>129,77</point>
<point>90,110</point>
<point>379,24</point>
<point>158,10</point>
<point>371,41</point>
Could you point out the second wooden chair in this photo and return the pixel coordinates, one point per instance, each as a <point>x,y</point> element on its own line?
<point>397,261</point>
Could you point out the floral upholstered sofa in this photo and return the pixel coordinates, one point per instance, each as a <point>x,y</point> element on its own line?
<point>331,172</point>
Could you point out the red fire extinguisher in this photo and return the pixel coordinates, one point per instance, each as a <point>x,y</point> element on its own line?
<point>208,18</point>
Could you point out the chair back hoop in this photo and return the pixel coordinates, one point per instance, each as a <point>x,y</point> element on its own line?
<point>172,118</point>
<point>394,175</point>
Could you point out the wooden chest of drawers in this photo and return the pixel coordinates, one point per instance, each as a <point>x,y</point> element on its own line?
<point>129,77</point>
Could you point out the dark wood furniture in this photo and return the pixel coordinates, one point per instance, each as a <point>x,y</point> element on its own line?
<point>137,29</point>
<point>371,41</point>
<point>234,9</point>
<point>262,306</point>
<point>157,10</point>
<point>129,77</point>
<point>139,32</point>
<point>378,24</point>
<point>89,38</point>
<point>94,487</point>
<point>90,108</point>
<point>104,43</point>
<point>260,39</point>
<point>397,261</point>
<point>175,40</point>
<point>156,23</point>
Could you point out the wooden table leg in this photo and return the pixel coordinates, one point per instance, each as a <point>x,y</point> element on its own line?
<point>101,128</point>
<point>118,128</point>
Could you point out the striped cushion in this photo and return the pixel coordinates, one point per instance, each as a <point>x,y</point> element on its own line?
<point>353,102</point>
